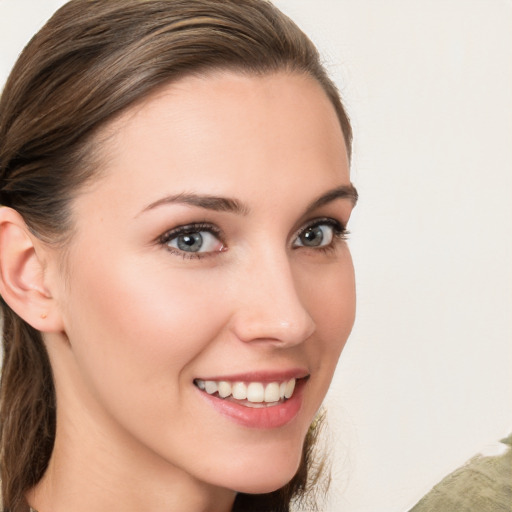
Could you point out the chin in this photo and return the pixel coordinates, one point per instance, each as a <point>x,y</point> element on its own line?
<point>264,475</point>
<point>264,486</point>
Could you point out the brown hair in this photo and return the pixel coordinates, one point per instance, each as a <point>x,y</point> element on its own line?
<point>90,62</point>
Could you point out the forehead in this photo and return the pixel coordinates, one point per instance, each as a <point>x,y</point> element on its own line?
<point>230,133</point>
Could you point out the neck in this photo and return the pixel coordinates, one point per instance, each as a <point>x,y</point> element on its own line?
<point>96,465</point>
<point>89,476</point>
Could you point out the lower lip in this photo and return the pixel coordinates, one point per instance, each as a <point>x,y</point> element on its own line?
<point>264,417</point>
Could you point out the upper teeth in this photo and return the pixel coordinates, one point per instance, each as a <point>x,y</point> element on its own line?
<point>251,391</point>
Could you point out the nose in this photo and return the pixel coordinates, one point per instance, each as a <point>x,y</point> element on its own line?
<point>268,307</point>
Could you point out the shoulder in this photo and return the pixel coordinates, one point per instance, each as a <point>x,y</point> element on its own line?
<point>484,483</point>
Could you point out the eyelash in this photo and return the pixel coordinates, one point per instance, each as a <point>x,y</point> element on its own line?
<point>340,233</point>
<point>189,229</point>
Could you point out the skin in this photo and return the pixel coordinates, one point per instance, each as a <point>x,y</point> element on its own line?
<point>140,321</point>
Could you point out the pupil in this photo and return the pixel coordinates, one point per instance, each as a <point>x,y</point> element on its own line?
<point>313,236</point>
<point>191,242</point>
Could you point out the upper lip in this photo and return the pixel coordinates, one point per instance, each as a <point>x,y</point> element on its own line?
<point>262,376</point>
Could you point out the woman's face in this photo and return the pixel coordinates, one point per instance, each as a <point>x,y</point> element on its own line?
<point>210,250</point>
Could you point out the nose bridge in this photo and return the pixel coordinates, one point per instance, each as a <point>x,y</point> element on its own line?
<point>269,307</point>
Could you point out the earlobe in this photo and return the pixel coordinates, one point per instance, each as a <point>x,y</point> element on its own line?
<point>22,275</point>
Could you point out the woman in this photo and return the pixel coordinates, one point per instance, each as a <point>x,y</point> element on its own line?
<point>176,284</point>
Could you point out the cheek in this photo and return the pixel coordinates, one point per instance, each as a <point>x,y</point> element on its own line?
<point>330,298</point>
<point>129,322</point>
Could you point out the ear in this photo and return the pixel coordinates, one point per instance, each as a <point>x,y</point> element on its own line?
<point>22,274</point>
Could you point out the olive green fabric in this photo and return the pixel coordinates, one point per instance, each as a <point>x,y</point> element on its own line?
<point>484,484</point>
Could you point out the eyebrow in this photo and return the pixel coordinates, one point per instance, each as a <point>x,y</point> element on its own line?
<point>342,192</point>
<point>226,204</point>
<point>218,204</point>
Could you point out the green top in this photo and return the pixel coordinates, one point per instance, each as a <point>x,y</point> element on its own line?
<point>483,484</point>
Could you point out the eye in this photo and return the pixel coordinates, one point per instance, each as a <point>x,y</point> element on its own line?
<point>320,233</point>
<point>193,240</point>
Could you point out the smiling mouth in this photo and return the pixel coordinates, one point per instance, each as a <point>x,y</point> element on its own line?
<point>249,394</point>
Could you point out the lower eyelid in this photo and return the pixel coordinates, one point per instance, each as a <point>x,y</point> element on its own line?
<point>188,255</point>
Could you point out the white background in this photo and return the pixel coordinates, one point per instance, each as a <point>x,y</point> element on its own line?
<point>425,380</point>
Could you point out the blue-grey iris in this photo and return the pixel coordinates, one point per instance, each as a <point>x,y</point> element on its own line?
<point>312,237</point>
<point>191,242</point>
